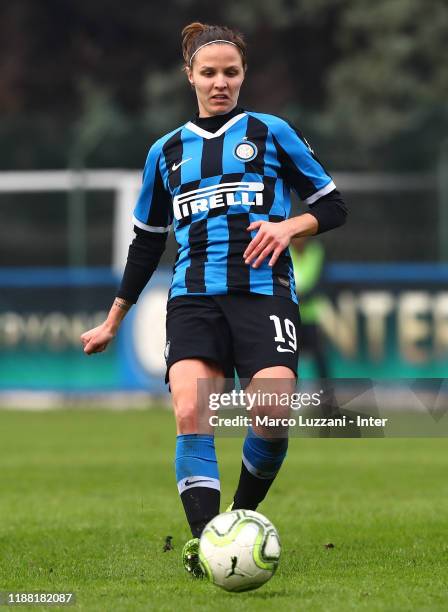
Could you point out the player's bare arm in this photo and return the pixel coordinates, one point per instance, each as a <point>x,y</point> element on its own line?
<point>97,339</point>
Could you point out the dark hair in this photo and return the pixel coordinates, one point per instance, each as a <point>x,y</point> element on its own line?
<point>196,34</point>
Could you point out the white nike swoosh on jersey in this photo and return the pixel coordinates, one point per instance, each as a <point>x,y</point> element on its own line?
<point>176,166</point>
<point>283,350</point>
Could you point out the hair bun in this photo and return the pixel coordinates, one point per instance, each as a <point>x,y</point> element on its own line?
<point>193,28</point>
<point>189,33</point>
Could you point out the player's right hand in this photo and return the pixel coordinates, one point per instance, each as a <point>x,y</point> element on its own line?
<point>96,340</point>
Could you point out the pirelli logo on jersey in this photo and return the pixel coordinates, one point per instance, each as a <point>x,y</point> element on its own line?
<point>242,193</point>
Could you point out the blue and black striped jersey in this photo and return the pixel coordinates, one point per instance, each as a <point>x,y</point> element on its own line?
<point>211,186</point>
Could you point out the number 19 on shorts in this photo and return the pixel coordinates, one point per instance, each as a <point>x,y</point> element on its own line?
<point>285,334</point>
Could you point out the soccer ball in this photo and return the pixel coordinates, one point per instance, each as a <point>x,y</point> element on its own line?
<point>239,550</point>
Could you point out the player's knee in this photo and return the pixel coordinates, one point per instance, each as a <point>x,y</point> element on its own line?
<point>186,411</point>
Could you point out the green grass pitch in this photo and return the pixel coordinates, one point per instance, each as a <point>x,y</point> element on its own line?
<point>87,498</point>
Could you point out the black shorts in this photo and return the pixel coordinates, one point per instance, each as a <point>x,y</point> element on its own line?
<point>242,332</point>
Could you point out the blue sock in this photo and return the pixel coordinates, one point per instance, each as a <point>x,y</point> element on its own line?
<point>197,479</point>
<point>262,459</point>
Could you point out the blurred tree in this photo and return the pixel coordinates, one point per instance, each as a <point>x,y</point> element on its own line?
<point>388,94</point>
<point>99,120</point>
<point>364,80</point>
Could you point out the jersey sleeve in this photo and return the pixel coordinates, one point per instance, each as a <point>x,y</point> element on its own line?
<point>299,166</point>
<point>153,211</point>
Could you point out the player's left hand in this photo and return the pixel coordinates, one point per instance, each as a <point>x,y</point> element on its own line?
<point>271,238</point>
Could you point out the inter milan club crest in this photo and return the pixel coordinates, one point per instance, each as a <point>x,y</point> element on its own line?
<point>245,151</point>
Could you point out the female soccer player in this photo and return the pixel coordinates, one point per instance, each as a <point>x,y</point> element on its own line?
<point>223,180</point>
